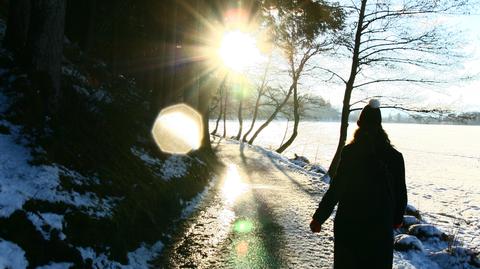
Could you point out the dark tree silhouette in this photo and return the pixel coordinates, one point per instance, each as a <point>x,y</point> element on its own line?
<point>17,26</point>
<point>45,49</point>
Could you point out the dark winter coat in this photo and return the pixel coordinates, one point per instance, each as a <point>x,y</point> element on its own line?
<point>370,190</point>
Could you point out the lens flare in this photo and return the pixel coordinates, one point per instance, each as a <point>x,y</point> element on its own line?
<point>242,248</point>
<point>243,226</point>
<point>178,129</point>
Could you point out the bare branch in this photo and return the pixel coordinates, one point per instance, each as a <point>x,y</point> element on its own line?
<point>407,109</point>
<point>332,73</point>
<point>424,81</point>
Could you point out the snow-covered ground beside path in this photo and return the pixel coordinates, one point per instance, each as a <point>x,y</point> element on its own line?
<point>20,182</point>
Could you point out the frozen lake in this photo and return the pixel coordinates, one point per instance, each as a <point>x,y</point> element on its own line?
<point>442,165</point>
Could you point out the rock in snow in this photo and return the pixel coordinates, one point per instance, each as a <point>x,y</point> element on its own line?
<point>425,231</point>
<point>405,242</point>
<point>410,220</point>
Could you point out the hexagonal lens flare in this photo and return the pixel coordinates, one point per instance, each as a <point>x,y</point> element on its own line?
<point>178,129</point>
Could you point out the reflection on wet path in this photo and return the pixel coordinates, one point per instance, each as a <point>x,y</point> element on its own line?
<point>233,186</point>
<point>257,217</point>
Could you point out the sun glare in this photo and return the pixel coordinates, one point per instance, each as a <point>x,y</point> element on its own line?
<point>233,186</point>
<point>238,50</point>
<point>178,129</point>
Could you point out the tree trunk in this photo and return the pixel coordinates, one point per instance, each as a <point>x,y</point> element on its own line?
<point>17,26</point>
<point>240,118</point>
<point>45,46</point>
<point>205,82</point>
<point>204,98</point>
<point>296,117</point>
<point>257,102</point>
<point>160,92</point>
<point>91,30</point>
<point>272,116</point>
<point>285,133</point>
<point>225,113</point>
<point>220,109</point>
<point>254,118</point>
<point>348,93</point>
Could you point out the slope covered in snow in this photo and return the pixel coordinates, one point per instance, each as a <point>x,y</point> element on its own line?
<point>90,190</point>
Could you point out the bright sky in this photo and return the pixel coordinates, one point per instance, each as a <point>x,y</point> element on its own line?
<point>455,92</point>
<point>458,94</point>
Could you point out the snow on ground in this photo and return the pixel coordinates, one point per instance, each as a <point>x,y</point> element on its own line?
<point>138,258</point>
<point>435,248</point>
<point>190,206</point>
<point>174,167</point>
<point>11,255</point>
<point>147,158</point>
<point>20,181</point>
<point>61,265</point>
<point>45,223</point>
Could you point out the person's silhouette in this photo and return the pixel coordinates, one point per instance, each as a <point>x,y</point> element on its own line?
<point>369,187</point>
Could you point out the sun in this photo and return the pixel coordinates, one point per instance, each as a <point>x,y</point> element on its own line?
<point>239,51</point>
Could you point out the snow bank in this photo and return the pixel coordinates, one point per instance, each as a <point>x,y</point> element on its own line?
<point>12,256</point>
<point>45,223</point>
<point>62,265</point>
<point>147,158</point>
<point>138,258</point>
<point>410,220</point>
<point>20,181</point>
<point>405,242</point>
<point>174,167</point>
<point>425,231</point>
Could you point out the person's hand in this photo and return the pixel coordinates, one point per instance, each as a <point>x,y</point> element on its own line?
<point>315,226</point>
<point>397,226</point>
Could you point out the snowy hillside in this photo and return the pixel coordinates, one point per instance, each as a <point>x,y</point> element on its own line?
<point>90,191</point>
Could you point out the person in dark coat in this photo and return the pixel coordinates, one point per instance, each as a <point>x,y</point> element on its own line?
<point>370,190</point>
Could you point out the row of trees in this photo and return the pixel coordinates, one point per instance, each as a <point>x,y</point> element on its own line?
<point>257,104</point>
<point>300,30</point>
<point>158,42</point>
<point>370,37</point>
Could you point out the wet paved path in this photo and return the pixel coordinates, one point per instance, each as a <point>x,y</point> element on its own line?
<point>257,217</point>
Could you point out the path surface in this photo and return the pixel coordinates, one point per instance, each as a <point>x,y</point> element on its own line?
<point>257,218</point>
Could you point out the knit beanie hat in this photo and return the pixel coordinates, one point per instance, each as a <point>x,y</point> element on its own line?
<point>371,115</point>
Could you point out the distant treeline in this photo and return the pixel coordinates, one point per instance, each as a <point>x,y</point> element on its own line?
<point>311,108</point>
<point>465,118</point>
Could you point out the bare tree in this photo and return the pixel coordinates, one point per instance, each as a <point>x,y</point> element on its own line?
<point>385,34</point>
<point>298,29</point>
<point>296,72</point>
<point>220,107</point>
<point>225,105</point>
<point>260,93</point>
<point>240,116</point>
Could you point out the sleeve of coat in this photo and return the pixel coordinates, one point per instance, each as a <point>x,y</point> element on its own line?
<point>400,192</point>
<point>331,197</point>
